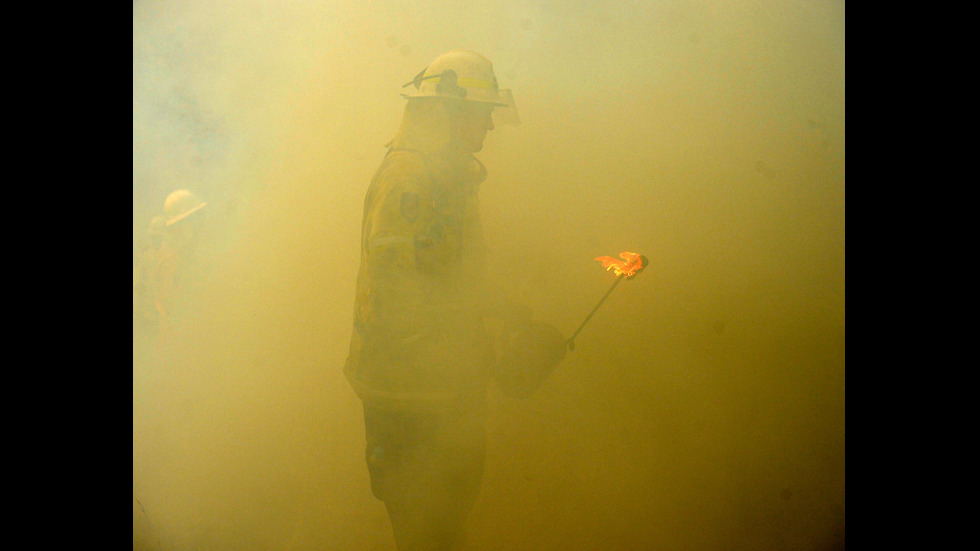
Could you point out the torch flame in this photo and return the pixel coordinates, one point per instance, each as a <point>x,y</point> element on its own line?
<point>629,266</point>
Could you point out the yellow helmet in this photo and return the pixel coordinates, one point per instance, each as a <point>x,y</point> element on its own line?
<point>181,204</point>
<point>461,74</point>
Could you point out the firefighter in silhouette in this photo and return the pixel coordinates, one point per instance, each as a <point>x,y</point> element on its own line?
<point>421,357</point>
<point>145,315</point>
<point>180,269</point>
<point>146,318</point>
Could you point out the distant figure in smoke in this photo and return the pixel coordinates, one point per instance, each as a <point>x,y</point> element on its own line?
<point>145,317</point>
<point>421,356</point>
<point>179,268</point>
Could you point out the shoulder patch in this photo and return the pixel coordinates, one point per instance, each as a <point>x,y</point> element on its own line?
<point>410,205</point>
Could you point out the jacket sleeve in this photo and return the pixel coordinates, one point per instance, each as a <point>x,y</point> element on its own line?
<point>393,219</point>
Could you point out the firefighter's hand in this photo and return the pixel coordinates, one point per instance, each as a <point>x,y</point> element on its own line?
<point>539,342</point>
<point>549,339</point>
<point>529,356</point>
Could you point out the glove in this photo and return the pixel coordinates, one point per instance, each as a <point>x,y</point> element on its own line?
<point>529,356</point>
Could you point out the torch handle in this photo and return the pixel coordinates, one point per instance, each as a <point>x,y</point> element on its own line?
<point>570,343</point>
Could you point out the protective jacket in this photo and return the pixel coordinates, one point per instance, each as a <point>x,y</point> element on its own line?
<point>419,335</point>
<point>145,315</point>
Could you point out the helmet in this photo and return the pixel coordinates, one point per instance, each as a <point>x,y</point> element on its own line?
<point>158,225</point>
<point>181,204</point>
<point>466,75</point>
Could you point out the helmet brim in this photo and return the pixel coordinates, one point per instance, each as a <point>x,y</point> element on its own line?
<point>184,215</point>
<point>506,110</point>
<point>418,96</point>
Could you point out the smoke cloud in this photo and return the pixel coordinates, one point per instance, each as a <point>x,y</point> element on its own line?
<point>703,406</point>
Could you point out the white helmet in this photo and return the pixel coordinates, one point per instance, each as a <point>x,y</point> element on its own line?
<point>181,204</point>
<point>461,74</point>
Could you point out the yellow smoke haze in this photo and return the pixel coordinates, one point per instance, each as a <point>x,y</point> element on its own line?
<point>703,405</point>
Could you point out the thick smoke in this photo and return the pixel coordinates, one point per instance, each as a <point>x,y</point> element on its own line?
<point>703,406</point>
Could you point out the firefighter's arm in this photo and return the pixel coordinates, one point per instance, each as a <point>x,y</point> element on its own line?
<point>527,350</point>
<point>527,358</point>
<point>393,221</point>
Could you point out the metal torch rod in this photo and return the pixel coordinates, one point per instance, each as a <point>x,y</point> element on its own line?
<point>570,343</point>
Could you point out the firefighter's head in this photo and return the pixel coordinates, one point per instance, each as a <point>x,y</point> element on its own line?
<point>462,84</point>
<point>182,209</point>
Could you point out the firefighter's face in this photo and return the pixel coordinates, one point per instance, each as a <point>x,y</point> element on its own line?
<point>472,123</point>
<point>185,231</point>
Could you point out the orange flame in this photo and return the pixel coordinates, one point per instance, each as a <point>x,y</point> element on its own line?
<point>633,263</point>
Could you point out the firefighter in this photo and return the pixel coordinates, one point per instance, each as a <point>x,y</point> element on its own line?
<point>421,357</point>
<point>145,317</point>
<point>179,268</point>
